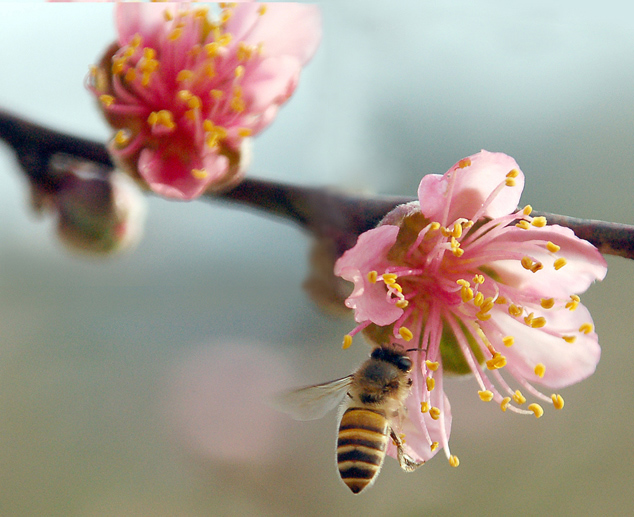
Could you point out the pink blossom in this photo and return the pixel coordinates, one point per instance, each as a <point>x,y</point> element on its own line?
<point>186,90</point>
<point>470,284</point>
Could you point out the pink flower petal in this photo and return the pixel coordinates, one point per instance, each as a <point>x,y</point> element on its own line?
<point>566,363</point>
<point>584,263</point>
<point>416,441</point>
<point>466,189</point>
<point>168,176</point>
<point>369,254</point>
<point>143,18</point>
<point>286,29</point>
<point>271,82</point>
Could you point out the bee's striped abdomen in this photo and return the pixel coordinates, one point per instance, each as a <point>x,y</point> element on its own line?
<point>361,446</point>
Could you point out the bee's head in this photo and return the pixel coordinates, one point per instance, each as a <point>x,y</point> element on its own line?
<point>393,355</point>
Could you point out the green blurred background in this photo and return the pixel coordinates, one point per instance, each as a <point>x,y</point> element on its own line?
<point>137,385</point>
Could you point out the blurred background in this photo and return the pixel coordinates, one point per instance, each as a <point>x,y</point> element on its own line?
<point>136,385</point>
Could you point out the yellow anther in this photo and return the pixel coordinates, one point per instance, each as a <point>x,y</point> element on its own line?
<point>395,287</point>
<point>401,304</point>
<point>194,102</point>
<point>458,252</point>
<point>389,278</point>
<point>431,383</point>
<point>465,162</point>
<point>168,16</point>
<point>347,341</point>
<point>478,279</point>
<point>184,75</point>
<point>515,310</point>
<point>238,105</point>
<point>500,300</point>
<point>464,283</point>
<point>527,210</point>
<point>225,39</point>
<point>106,100</point>
<point>130,75</point>
<point>122,137</point>
<point>424,407</point>
<point>573,303</point>
<point>149,53</point>
<point>434,226</point>
<point>466,293</point>
<point>524,225</point>
<point>540,370</point>
<point>432,365</point>
<point>457,230</point>
<point>586,328</point>
<point>547,303</point>
<point>136,40</point>
<point>510,182</point>
<point>539,222</point>
<point>454,461</point>
<point>226,15</point>
<point>483,316</point>
<point>175,34</point>
<point>478,300</point>
<point>537,410</point>
<point>245,132</point>
<point>536,267</point>
<point>552,247</point>
<point>558,401</point>
<point>529,319</point>
<point>527,262</point>
<point>538,323</point>
<point>508,340</point>
<point>505,403</point>
<point>486,395</point>
<point>434,446</point>
<point>569,339</point>
<point>434,412</point>
<point>487,304</point>
<point>513,173</point>
<point>496,362</point>
<point>262,10</point>
<point>185,95</point>
<point>212,49</point>
<point>244,52</point>
<point>239,71</point>
<point>559,263</point>
<point>405,333</point>
<point>518,397</point>
<point>199,174</point>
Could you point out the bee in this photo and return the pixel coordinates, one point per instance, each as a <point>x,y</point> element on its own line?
<point>374,405</point>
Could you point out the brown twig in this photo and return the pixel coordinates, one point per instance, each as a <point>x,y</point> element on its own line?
<point>324,212</point>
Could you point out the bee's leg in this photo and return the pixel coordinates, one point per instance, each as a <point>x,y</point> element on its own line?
<point>407,463</point>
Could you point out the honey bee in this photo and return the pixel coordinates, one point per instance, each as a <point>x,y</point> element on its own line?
<point>374,405</point>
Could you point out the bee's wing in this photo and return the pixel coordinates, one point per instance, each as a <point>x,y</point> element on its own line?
<point>313,402</point>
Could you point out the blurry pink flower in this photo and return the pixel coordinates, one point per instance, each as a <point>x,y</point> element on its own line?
<point>186,91</point>
<point>475,286</point>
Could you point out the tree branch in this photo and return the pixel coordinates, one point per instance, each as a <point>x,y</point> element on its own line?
<point>324,212</point>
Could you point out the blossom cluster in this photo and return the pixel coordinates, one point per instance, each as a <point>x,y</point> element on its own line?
<point>469,284</point>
